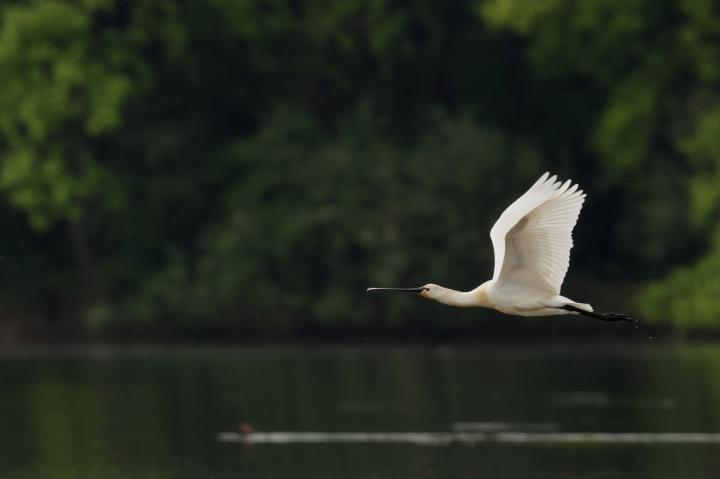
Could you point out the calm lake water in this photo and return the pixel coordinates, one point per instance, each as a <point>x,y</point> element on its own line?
<point>373,412</point>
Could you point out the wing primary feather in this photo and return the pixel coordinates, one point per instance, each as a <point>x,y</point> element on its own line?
<point>533,236</point>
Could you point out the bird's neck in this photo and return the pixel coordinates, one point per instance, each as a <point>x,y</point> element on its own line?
<point>478,297</point>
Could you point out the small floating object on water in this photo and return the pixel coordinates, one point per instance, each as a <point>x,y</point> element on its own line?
<point>246,427</point>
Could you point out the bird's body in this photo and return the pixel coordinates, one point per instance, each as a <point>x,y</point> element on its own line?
<point>532,241</point>
<point>503,298</point>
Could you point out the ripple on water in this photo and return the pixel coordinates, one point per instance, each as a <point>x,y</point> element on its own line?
<point>470,438</point>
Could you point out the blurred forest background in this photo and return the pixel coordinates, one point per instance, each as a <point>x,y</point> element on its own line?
<point>246,168</point>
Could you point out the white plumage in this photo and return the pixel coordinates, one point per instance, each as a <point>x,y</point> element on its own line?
<point>532,241</point>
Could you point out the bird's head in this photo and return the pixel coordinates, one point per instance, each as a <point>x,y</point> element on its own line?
<point>431,291</point>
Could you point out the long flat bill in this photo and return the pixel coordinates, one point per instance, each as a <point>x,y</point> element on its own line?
<point>404,290</point>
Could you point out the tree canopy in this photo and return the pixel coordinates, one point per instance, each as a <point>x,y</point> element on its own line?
<point>251,166</point>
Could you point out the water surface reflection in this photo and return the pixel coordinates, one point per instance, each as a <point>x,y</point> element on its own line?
<point>554,411</point>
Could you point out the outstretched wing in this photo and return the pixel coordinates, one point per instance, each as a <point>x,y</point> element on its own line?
<point>533,237</point>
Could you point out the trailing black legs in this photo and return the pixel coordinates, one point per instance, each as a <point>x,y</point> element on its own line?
<point>600,316</point>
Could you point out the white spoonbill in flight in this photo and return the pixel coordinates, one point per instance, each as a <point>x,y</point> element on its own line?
<point>532,241</point>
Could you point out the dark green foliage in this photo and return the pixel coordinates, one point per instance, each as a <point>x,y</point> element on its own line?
<point>252,166</point>
<point>310,222</point>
